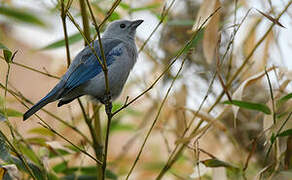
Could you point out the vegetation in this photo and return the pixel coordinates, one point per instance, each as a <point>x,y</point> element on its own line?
<point>209,98</point>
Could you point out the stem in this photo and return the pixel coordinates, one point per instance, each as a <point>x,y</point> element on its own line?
<point>19,155</point>
<point>85,21</point>
<point>171,160</point>
<point>248,58</point>
<point>156,118</point>
<point>63,17</point>
<point>35,70</point>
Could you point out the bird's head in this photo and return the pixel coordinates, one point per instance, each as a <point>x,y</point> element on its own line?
<point>122,29</point>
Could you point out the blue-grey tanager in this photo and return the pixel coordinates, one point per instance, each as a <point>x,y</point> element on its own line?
<point>85,75</point>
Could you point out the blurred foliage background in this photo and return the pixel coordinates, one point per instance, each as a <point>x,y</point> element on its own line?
<point>217,81</point>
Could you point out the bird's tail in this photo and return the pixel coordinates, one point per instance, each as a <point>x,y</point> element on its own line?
<point>50,97</point>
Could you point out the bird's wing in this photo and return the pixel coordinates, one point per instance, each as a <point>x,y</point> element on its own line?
<point>88,65</point>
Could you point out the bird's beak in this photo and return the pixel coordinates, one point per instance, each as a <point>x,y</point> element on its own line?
<point>136,23</point>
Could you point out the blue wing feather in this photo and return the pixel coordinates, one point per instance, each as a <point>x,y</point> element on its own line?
<point>90,67</point>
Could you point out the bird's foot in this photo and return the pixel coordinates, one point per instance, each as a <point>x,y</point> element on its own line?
<point>108,104</point>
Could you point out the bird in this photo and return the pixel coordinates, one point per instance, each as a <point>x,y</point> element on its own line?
<point>85,75</point>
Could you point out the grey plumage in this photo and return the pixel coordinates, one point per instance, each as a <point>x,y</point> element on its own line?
<point>85,76</point>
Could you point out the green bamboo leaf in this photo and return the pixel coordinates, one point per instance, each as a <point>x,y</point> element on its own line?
<point>57,153</point>
<point>88,172</point>
<point>128,110</point>
<point>29,153</point>
<point>6,157</point>
<point>195,41</point>
<point>287,132</point>
<point>149,7</point>
<point>41,131</point>
<point>153,166</point>
<point>180,22</point>
<point>118,126</point>
<point>125,6</point>
<point>114,16</point>
<point>284,99</point>
<point>250,105</point>
<point>218,163</point>
<point>71,39</point>
<point>7,55</point>
<point>21,15</point>
<point>60,43</point>
<point>6,52</point>
<point>11,112</point>
<point>37,140</point>
<point>60,167</point>
<point>1,102</point>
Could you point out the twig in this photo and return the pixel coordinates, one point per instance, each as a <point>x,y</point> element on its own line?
<point>16,95</point>
<point>47,126</point>
<point>35,70</point>
<point>180,52</point>
<point>164,14</point>
<point>63,17</point>
<point>246,60</point>
<point>254,143</point>
<point>156,118</point>
<point>19,155</point>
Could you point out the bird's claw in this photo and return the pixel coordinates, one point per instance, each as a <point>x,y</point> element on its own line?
<point>108,104</point>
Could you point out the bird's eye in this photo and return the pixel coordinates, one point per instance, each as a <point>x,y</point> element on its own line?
<point>122,26</point>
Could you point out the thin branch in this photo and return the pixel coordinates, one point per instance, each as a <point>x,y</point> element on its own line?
<point>35,70</point>
<point>47,126</point>
<point>164,14</point>
<point>19,95</point>
<point>246,60</point>
<point>156,118</point>
<point>180,52</point>
<point>19,155</point>
<point>63,17</point>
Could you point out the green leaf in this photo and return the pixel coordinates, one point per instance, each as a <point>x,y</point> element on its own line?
<point>21,15</point>
<point>7,55</point>
<point>118,126</point>
<point>87,172</point>
<point>149,7</point>
<point>250,105</point>
<point>11,112</point>
<point>124,6</point>
<point>128,110</point>
<point>1,102</point>
<point>284,99</point>
<point>180,23</point>
<point>60,167</point>
<point>58,153</point>
<point>10,159</point>
<point>29,153</point>
<point>153,166</point>
<point>37,140</point>
<point>6,52</point>
<point>114,16</point>
<point>218,163</point>
<point>41,131</point>
<point>110,175</point>
<point>195,41</point>
<point>71,39</point>
<point>273,138</point>
<point>78,177</point>
<point>287,132</point>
